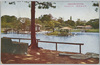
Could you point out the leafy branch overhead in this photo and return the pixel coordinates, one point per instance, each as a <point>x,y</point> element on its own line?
<point>41,5</point>
<point>96,5</point>
<point>45,5</point>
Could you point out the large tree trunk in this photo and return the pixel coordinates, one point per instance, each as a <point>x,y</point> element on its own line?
<point>33,34</point>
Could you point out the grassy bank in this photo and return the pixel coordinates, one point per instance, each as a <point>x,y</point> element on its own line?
<point>53,33</point>
<point>90,30</point>
<point>2,32</point>
<point>56,33</point>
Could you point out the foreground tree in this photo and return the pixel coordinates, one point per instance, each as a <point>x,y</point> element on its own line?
<point>44,5</point>
<point>41,5</point>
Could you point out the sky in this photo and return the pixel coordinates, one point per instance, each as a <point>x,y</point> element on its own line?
<point>78,10</point>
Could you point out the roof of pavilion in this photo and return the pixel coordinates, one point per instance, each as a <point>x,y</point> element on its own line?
<point>66,28</point>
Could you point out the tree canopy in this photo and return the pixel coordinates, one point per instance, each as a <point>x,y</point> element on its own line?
<point>96,4</point>
<point>45,18</point>
<point>40,5</point>
<point>94,23</point>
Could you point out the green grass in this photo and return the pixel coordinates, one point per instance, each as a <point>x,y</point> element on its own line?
<point>56,33</point>
<point>92,30</point>
<point>53,33</point>
<point>1,31</point>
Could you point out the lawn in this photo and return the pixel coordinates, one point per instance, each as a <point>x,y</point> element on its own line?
<point>89,30</point>
<point>92,30</point>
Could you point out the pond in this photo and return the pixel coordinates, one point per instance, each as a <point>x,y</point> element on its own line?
<point>90,40</point>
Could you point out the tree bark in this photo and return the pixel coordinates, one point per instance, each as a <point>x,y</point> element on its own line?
<point>33,34</point>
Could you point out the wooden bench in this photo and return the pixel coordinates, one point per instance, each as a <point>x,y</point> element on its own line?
<point>7,46</point>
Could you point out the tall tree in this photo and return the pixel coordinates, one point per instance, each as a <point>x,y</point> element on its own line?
<point>41,5</point>
<point>46,18</point>
<point>8,21</point>
<point>33,34</point>
<point>52,25</point>
<point>80,23</point>
<point>60,20</point>
<point>94,23</point>
<point>70,22</point>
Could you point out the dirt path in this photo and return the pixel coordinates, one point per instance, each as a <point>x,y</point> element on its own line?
<point>42,56</point>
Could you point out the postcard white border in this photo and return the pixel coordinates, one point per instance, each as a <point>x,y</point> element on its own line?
<point>49,0</point>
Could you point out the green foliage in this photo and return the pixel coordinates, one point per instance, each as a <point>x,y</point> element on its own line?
<point>2,31</point>
<point>59,33</point>
<point>26,24</point>
<point>52,25</point>
<point>94,23</point>
<point>40,5</point>
<point>96,4</point>
<point>8,21</point>
<point>46,18</point>
<point>60,20</point>
<point>56,33</point>
<point>63,34</point>
<point>46,21</point>
<point>78,23</point>
<point>14,23</point>
<point>37,21</point>
<point>45,5</point>
<point>70,22</point>
<point>86,30</point>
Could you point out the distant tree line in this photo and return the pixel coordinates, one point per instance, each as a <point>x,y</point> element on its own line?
<point>15,23</point>
<point>47,21</point>
<point>94,23</point>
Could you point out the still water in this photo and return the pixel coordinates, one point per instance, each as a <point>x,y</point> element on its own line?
<point>90,40</point>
